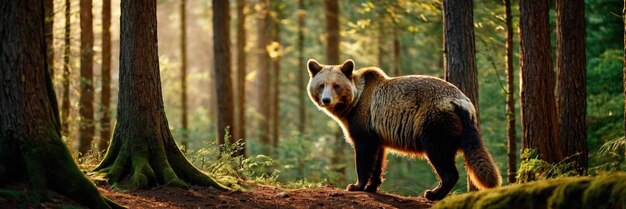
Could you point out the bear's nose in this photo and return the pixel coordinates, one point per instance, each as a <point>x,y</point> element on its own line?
<point>326,101</point>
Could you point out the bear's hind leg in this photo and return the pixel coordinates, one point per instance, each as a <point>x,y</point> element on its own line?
<point>442,160</point>
<point>377,174</point>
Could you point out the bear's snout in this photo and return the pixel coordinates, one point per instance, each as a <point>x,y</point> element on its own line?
<point>326,101</point>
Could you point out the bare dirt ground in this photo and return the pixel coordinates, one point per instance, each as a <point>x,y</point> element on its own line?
<point>256,196</point>
<point>261,197</point>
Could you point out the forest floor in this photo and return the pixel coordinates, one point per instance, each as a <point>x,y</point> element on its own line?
<point>255,196</point>
<point>258,196</point>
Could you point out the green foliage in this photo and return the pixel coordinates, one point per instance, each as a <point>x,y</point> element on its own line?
<point>569,192</point>
<point>611,157</point>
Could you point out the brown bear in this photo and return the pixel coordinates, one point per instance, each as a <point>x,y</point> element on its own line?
<point>415,116</point>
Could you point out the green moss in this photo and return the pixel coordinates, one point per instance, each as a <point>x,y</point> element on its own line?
<point>566,192</point>
<point>10,193</point>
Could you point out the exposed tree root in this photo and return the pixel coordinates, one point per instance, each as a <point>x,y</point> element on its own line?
<point>145,163</point>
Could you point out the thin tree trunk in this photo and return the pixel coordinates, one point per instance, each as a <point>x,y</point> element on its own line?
<point>49,26</point>
<point>143,153</point>
<point>624,77</point>
<point>86,127</point>
<point>105,121</point>
<point>396,52</point>
<point>301,75</point>
<point>239,130</point>
<point>380,39</point>
<point>183,74</point>
<point>65,104</point>
<point>459,54</point>
<point>510,100</point>
<point>331,14</point>
<point>222,68</point>
<point>275,76</point>
<point>538,104</point>
<point>31,149</point>
<point>571,85</point>
<point>263,73</point>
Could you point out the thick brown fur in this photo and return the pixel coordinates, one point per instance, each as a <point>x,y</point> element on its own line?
<point>416,116</point>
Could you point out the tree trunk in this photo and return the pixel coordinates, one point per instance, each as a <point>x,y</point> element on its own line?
<point>86,127</point>
<point>275,76</point>
<point>510,99</point>
<point>143,153</point>
<point>65,104</point>
<point>571,84</point>
<point>624,77</point>
<point>105,121</point>
<point>222,69</point>
<point>263,73</point>
<point>183,74</point>
<point>239,130</point>
<point>459,51</point>
<point>31,149</point>
<point>538,105</point>
<point>301,14</point>
<point>396,52</point>
<point>49,11</point>
<point>331,8</point>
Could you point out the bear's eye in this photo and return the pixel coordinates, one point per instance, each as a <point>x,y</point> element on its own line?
<point>321,86</point>
<point>335,86</point>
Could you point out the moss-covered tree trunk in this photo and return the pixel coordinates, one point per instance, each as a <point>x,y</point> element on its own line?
<point>459,51</point>
<point>143,153</point>
<point>31,149</point>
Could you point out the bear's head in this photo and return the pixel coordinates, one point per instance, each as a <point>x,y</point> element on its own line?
<point>331,87</point>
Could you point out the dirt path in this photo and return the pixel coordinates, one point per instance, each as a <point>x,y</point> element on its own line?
<point>261,197</point>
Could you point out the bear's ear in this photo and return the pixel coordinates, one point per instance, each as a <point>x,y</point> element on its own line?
<point>347,67</point>
<point>314,67</point>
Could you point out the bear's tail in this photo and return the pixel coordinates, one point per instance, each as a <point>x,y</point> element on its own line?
<point>480,166</point>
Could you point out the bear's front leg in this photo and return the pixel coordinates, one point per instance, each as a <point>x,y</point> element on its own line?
<point>377,174</point>
<point>365,155</point>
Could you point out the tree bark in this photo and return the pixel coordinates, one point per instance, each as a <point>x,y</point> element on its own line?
<point>331,8</point>
<point>49,26</point>
<point>86,126</point>
<point>143,153</point>
<point>222,68</point>
<point>395,69</point>
<point>301,14</point>
<point>183,74</point>
<point>65,104</point>
<point>275,75</point>
<point>510,99</point>
<point>459,51</point>
<point>624,77</point>
<point>239,130</point>
<point>571,84</point>
<point>263,73</point>
<point>538,105</point>
<point>105,96</point>
<point>31,149</point>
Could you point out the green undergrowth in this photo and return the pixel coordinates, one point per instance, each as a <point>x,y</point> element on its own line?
<point>237,172</point>
<point>598,192</point>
